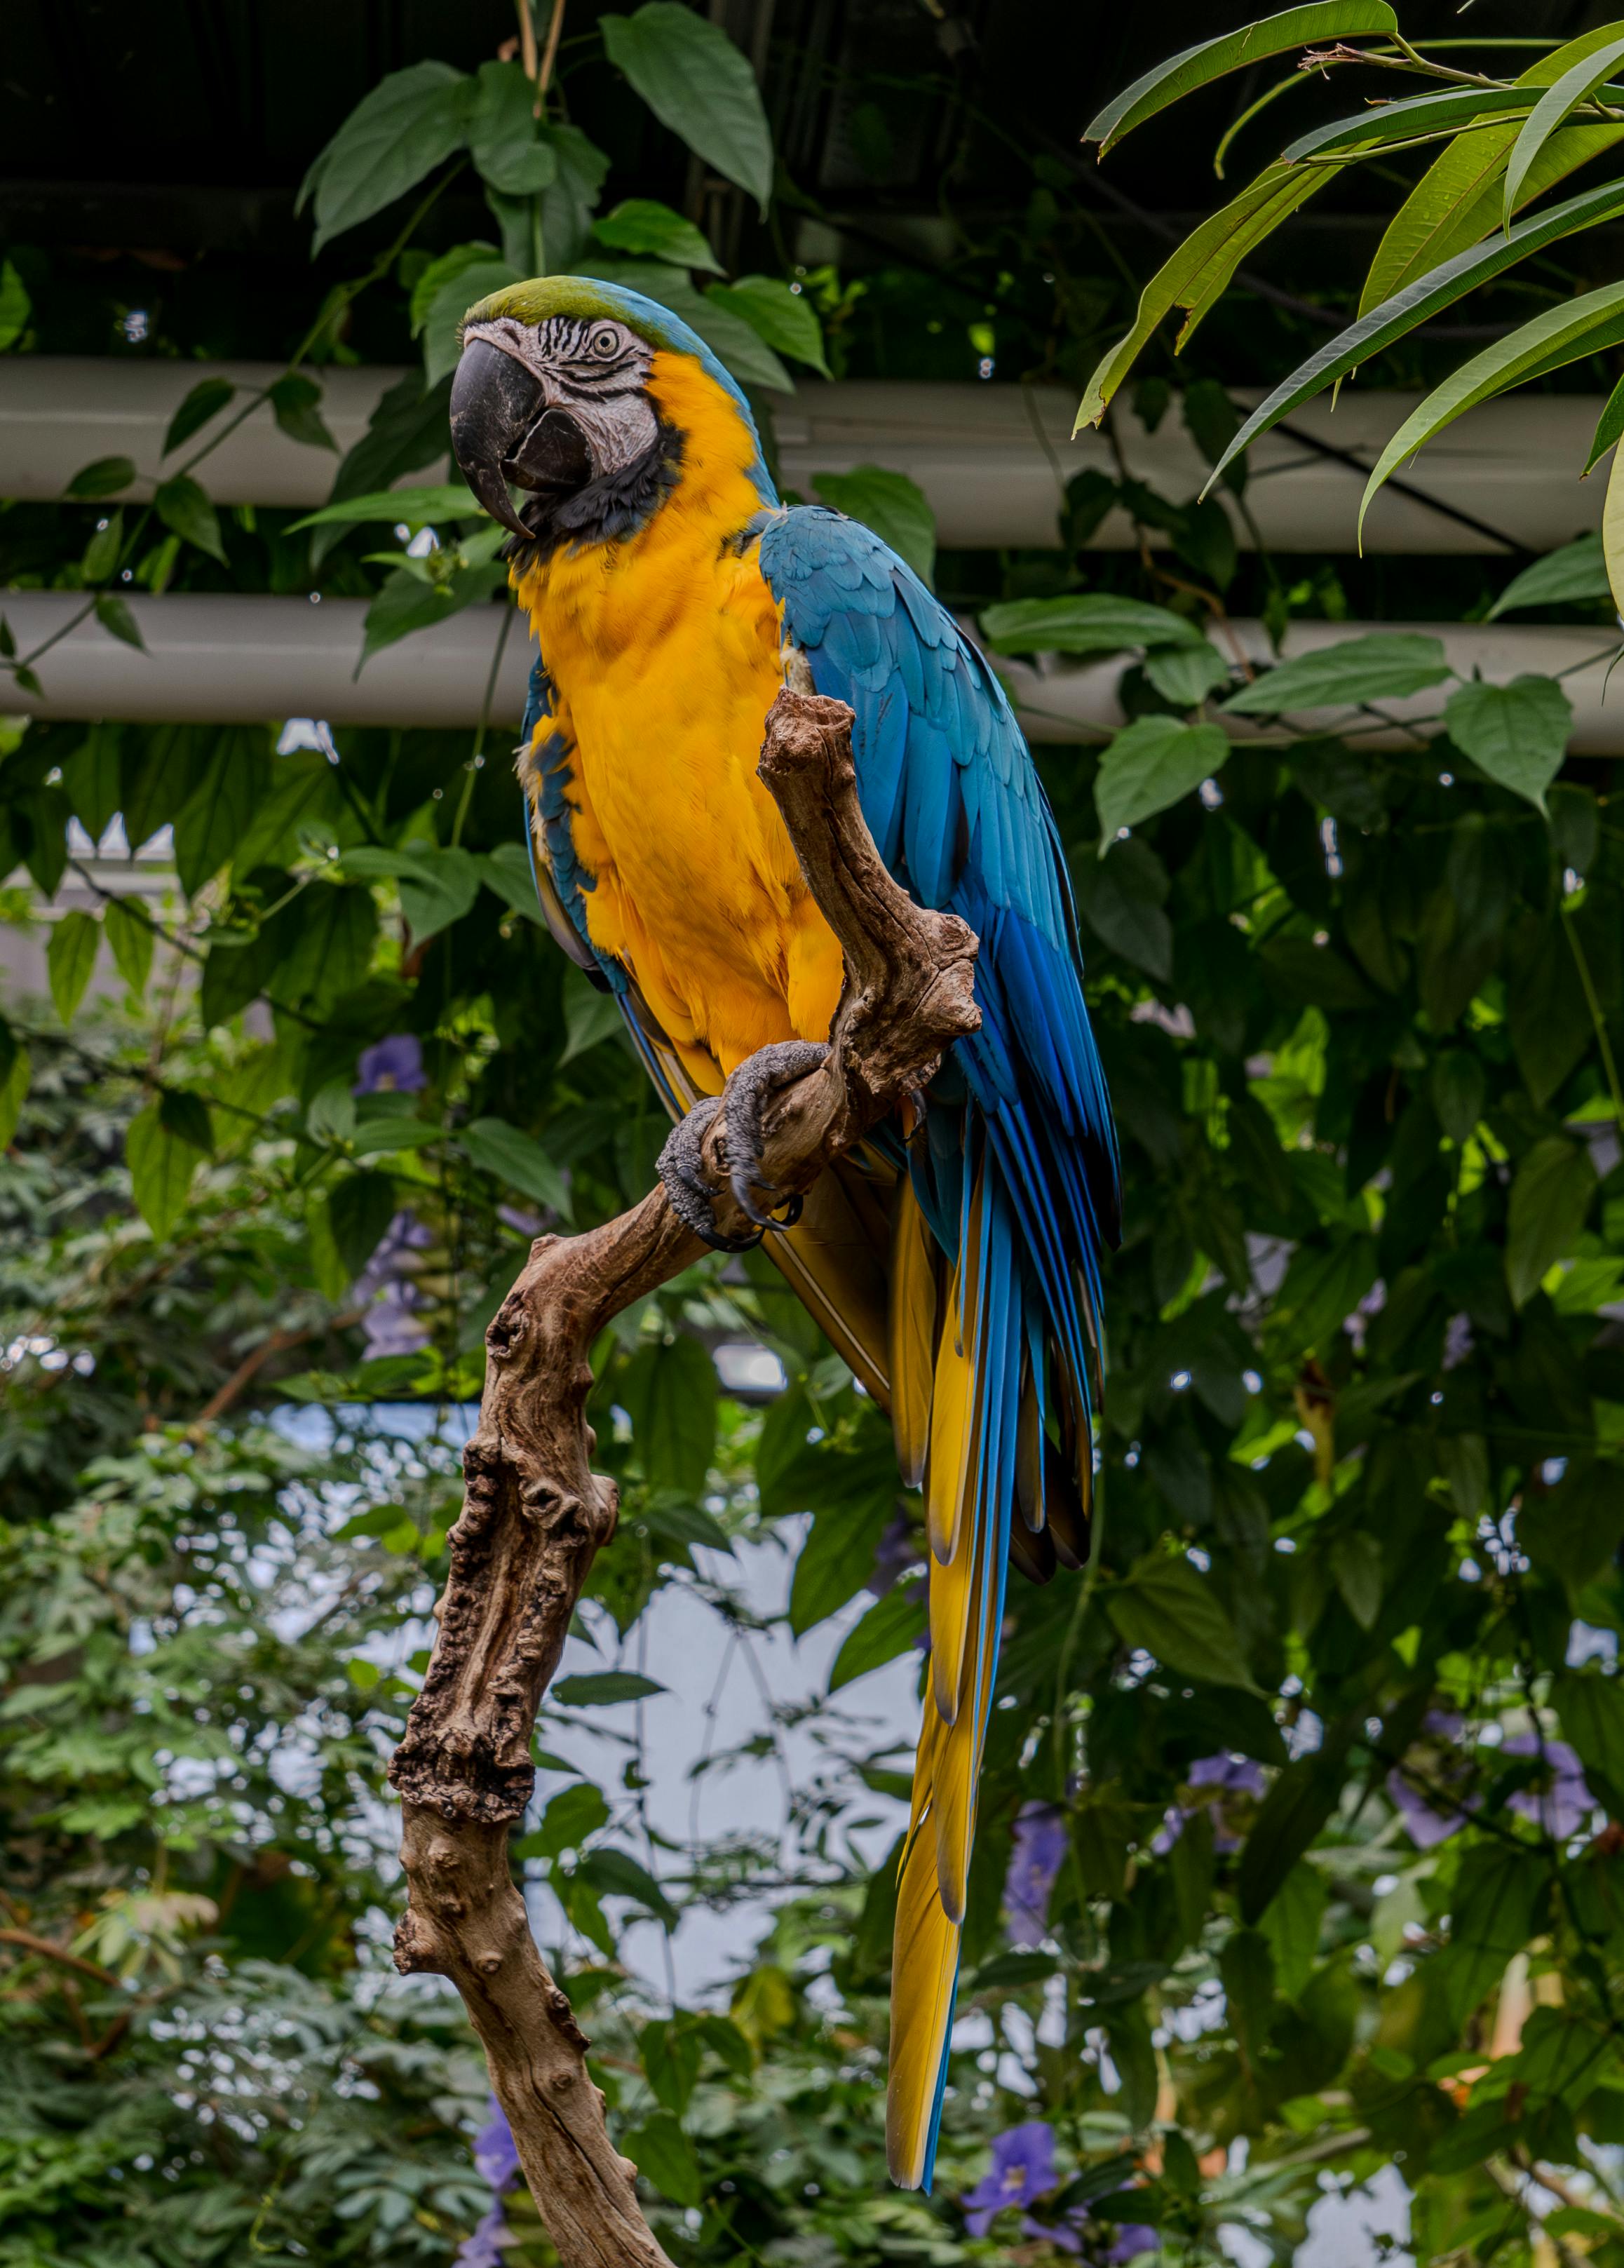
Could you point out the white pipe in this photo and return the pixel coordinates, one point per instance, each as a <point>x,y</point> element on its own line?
<point>992,460</point>
<point>228,658</point>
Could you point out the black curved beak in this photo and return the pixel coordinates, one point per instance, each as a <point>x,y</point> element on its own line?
<point>502,432</point>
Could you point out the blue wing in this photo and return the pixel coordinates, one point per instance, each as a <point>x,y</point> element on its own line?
<point>1018,1184</point>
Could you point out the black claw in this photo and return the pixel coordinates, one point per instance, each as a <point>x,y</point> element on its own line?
<point>685,1184</point>
<point>743,1103</point>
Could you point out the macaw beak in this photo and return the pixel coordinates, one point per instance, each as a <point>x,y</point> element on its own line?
<point>504,433</point>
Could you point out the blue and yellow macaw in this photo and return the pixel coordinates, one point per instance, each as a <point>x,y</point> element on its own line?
<point>957,1271</point>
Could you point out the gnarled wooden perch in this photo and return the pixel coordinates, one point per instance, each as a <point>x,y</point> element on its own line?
<point>535,1515</point>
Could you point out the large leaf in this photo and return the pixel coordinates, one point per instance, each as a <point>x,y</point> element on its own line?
<point>1199,272</point>
<point>1174,1614</point>
<point>186,512</point>
<point>1563,335</point>
<point>161,1166</point>
<point>1592,1710</point>
<point>437,883</point>
<point>640,225</point>
<point>127,928</point>
<point>1196,67</point>
<point>69,958</point>
<point>892,1626</point>
<point>1148,765</point>
<point>413,508</point>
<point>205,401</point>
<point>441,349</point>
<point>662,2153</point>
<point>1550,1197</point>
<point>603,1689</point>
<point>1576,85</point>
<point>518,1160</point>
<point>503,133</point>
<point>13,1093</point>
<point>1384,667</point>
<point>1379,327</point>
<point>890,504</point>
<point>1291,1815</point>
<point>1578,570</point>
<point>1458,199</point>
<point>780,312</point>
<point>408,124</point>
<point>1403,121</point>
<point>696,82</point>
<point>1517,734</point>
<point>1095,622</point>
<point>215,815</point>
<point>670,1392</point>
<point>407,603</point>
<point>360,1207</point>
<point>1613,528</point>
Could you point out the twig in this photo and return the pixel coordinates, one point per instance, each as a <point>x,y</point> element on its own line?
<point>535,1515</point>
<point>248,1369</point>
<point>42,1945</point>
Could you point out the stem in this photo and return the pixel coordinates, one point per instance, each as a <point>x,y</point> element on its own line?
<point>554,32</point>
<point>479,730</point>
<point>1598,1018</point>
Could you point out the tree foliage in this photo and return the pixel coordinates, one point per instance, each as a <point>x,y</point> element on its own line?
<point>1301,1807</point>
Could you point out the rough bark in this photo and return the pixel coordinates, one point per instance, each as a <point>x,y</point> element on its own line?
<point>535,1515</point>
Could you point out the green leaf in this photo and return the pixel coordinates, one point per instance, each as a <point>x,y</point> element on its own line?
<point>128,933</point>
<point>207,399</point>
<point>187,511</point>
<point>103,476</point>
<point>837,1557</point>
<point>1399,121</point>
<point>1591,1706</point>
<point>503,133</point>
<point>295,405</point>
<point>696,82</point>
<point>1457,201</point>
<point>1121,897</point>
<point>360,1208</point>
<point>617,1874</point>
<point>1328,20</point>
<point>405,604</point>
<point>1187,673</point>
<point>601,1689</point>
<point>388,1133</point>
<point>590,1016</point>
<point>1380,325</point>
<point>94,777</point>
<point>102,553</point>
<point>1290,1816</point>
<point>670,1520</point>
<point>671,2054</point>
<point>408,124</point>
<point>438,883</point>
<point>1546,1014</point>
<point>638,224</point>
<point>670,1392</point>
<point>892,1626</point>
<point>658,2148</point>
<point>1578,570</point>
<point>69,958</point>
<point>518,1161</point>
<point>573,1818</point>
<point>1150,764</point>
<point>443,321</point>
<point>13,1093</point>
<point>161,1166</point>
<point>1096,622</point>
<point>116,619</point>
<point>781,313</point>
<point>413,508</point>
<point>1574,1528</point>
<point>1198,274</point>
<point>302,788</point>
<point>15,306</point>
<point>409,429</point>
<point>1564,334</point>
<point>1517,734</point>
<point>1459,1088</point>
<point>1385,666</point>
<point>1164,1606</point>
<point>1550,1197</point>
<point>185,1116</point>
<point>1290,1924</point>
<point>215,815</point>
<point>1576,85</point>
<point>890,504</point>
<point>507,871</point>
<point>1212,422</point>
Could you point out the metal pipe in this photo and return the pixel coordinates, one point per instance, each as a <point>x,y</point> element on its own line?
<point>230,658</point>
<point>992,460</point>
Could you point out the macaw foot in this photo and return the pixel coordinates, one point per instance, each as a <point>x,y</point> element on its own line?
<point>743,1104</point>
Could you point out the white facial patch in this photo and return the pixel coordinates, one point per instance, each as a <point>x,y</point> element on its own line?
<point>593,368</point>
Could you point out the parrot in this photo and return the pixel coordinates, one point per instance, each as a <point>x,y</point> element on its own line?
<point>954,1261</point>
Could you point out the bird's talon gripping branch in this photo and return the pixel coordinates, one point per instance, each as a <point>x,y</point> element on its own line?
<point>681,1168</point>
<point>743,1104</point>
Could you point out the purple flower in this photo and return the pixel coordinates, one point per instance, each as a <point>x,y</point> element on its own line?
<point>1458,1341</point>
<point>1133,2237</point>
<point>393,1064</point>
<point>496,2154</point>
<point>1225,1776</point>
<point>1426,1820</point>
<point>387,1292</point>
<point>484,2248</point>
<point>1564,1803</point>
<point>1359,1323</point>
<point>1037,1858</point>
<point>1022,2168</point>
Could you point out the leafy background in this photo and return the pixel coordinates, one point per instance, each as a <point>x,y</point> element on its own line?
<point>1298,1849</point>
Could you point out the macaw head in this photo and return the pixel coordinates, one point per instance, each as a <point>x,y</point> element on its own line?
<point>590,398</point>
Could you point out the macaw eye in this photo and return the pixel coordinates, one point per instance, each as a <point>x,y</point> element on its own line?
<point>606,343</point>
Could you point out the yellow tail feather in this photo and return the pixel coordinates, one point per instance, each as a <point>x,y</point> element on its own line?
<point>912,1333</point>
<point>924,1967</point>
